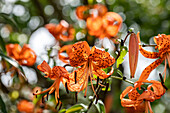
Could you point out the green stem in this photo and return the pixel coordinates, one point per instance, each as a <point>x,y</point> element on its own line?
<point>119,78</point>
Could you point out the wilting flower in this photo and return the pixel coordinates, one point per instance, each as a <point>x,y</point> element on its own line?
<point>91,62</point>
<point>163,46</point>
<point>62,31</point>
<point>25,106</point>
<point>133,53</point>
<point>137,100</point>
<point>25,56</point>
<point>57,73</point>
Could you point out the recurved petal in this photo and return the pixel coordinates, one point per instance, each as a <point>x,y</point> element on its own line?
<point>146,72</point>
<point>126,91</point>
<point>27,56</point>
<point>68,49</point>
<point>133,53</point>
<point>133,94</point>
<point>101,74</point>
<point>101,59</point>
<point>147,95</point>
<point>59,71</point>
<point>79,53</point>
<point>158,89</point>
<point>45,68</point>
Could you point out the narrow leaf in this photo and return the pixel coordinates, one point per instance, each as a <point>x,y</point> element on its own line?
<point>2,105</point>
<point>77,108</point>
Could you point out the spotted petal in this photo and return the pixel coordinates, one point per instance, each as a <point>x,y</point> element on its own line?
<point>101,59</point>
<point>79,54</point>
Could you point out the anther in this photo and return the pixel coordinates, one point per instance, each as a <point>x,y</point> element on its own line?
<point>60,106</point>
<point>76,96</point>
<point>66,88</point>
<point>75,77</point>
<point>97,82</point>
<point>107,86</point>
<point>47,96</point>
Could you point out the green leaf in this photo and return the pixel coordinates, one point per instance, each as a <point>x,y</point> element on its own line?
<point>2,105</point>
<point>77,108</point>
<point>2,44</point>
<point>8,20</point>
<point>100,106</point>
<point>123,52</point>
<point>119,72</point>
<point>62,111</point>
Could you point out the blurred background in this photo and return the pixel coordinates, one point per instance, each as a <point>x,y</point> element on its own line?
<point>23,21</point>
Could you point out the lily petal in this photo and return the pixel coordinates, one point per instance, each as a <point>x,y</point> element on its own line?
<point>101,59</point>
<point>79,54</point>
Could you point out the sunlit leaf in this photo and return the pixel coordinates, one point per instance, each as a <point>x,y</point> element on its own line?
<point>62,111</point>
<point>123,52</point>
<point>2,105</point>
<point>77,108</point>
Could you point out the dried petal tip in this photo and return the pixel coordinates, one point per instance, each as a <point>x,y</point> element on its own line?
<point>133,53</point>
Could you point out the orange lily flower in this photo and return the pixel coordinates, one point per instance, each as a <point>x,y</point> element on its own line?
<point>112,23</point>
<point>162,42</point>
<point>136,100</point>
<point>25,56</point>
<point>109,27</point>
<point>57,73</point>
<point>91,62</point>
<point>63,31</point>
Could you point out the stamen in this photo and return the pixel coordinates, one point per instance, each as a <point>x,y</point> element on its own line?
<point>97,82</point>
<point>162,81</point>
<point>60,105</point>
<point>75,77</point>
<point>47,96</point>
<point>76,96</point>
<point>97,98</point>
<point>66,88</point>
